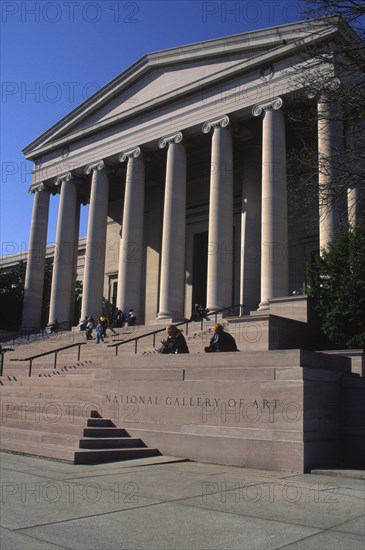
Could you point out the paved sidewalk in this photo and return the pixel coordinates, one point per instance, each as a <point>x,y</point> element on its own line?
<point>161,503</point>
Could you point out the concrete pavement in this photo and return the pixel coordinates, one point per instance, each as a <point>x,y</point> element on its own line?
<point>166,503</point>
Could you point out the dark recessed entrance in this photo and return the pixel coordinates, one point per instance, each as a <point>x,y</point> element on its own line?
<point>200,266</point>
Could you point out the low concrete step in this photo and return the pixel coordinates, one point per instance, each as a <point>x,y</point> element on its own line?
<point>49,451</point>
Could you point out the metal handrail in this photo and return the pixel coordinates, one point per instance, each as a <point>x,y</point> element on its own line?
<point>55,351</point>
<point>42,332</point>
<point>2,353</point>
<point>153,333</point>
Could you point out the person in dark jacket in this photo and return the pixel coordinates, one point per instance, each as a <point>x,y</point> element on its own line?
<point>175,341</point>
<point>131,318</point>
<point>221,340</point>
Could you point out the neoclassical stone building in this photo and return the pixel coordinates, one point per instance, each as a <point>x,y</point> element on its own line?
<point>183,161</point>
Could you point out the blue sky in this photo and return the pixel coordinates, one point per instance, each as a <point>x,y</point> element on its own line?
<point>55,54</point>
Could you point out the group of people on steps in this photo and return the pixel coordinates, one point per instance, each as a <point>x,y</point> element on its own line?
<point>119,319</point>
<point>175,342</point>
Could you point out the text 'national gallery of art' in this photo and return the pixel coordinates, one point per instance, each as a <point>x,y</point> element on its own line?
<point>189,161</point>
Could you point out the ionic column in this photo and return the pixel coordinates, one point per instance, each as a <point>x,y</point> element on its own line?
<point>330,158</point>
<point>63,265</point>
<point>92,295</point>
<point>75,260</point>
<point>274,216</point>
<point>34,278</point>
<point>355,204</point>
<point>131,244</point>
<point>172,280</point>
<point>220,231</point>
<point>355,171</point>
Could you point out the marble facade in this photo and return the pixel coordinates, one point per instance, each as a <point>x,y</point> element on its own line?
<point>182,159</point>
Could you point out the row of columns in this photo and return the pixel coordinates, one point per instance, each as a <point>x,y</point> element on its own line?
<point>274,237</point>
<point>172,270</point>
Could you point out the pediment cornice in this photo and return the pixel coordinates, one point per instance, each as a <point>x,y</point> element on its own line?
<point>268,45</point>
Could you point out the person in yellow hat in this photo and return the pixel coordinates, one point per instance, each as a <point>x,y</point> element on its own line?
<point>221,340</point>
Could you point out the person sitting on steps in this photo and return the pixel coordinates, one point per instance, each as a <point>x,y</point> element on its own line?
<point>131,318</point>
<point>221,340</point>
<point>175,341</point>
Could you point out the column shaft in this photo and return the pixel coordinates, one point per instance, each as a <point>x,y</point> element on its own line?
<point>172,281</point>
<point>220,231</point>
<point>63,267</point>
<point>75,261</point>
<point>274,216</point>
<point>34,279</point>
<point>131,244</point>
<point>92,297</point>
<point>330,157</point>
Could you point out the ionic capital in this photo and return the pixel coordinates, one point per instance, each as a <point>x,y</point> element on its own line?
<point>322,90</point>
<point>219,123</point>
<point>94,166</point>
<point>273,105</point>
<point>38,187</point>
<point>64,177</point>
<point>175,138</point>
<point>133,153</point>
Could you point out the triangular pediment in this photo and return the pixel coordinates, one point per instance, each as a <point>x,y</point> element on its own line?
<point>167,75</point>
<point>159,83</point>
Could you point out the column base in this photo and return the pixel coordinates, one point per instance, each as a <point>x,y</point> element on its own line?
<point>264,306</point>
<point>168,319</point>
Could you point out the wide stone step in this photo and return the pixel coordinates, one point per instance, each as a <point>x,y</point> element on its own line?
<point>54,393</point>
<point>37,410</point>
<point>20,372</point>
<point>249,359</point>
<point>105,432</point>
<point>21,434</point>
<point>65,428</point>
<point>110,442</point>
<point>76,381</point>
<point>84,456</point>
<point>100,423</point>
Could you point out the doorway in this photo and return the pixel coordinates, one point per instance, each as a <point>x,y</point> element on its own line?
<point>200,268</point>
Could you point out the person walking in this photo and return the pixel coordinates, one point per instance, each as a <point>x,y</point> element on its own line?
<point>99,333</point>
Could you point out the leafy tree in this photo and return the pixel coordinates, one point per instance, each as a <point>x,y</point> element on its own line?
<point>351,10</point>
<point>336,284</point>
<point>11,296</point>
<point>332,72</point>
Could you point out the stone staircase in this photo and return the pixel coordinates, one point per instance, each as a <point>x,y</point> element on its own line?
<point>107,407</point>
<point>54,413</point>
